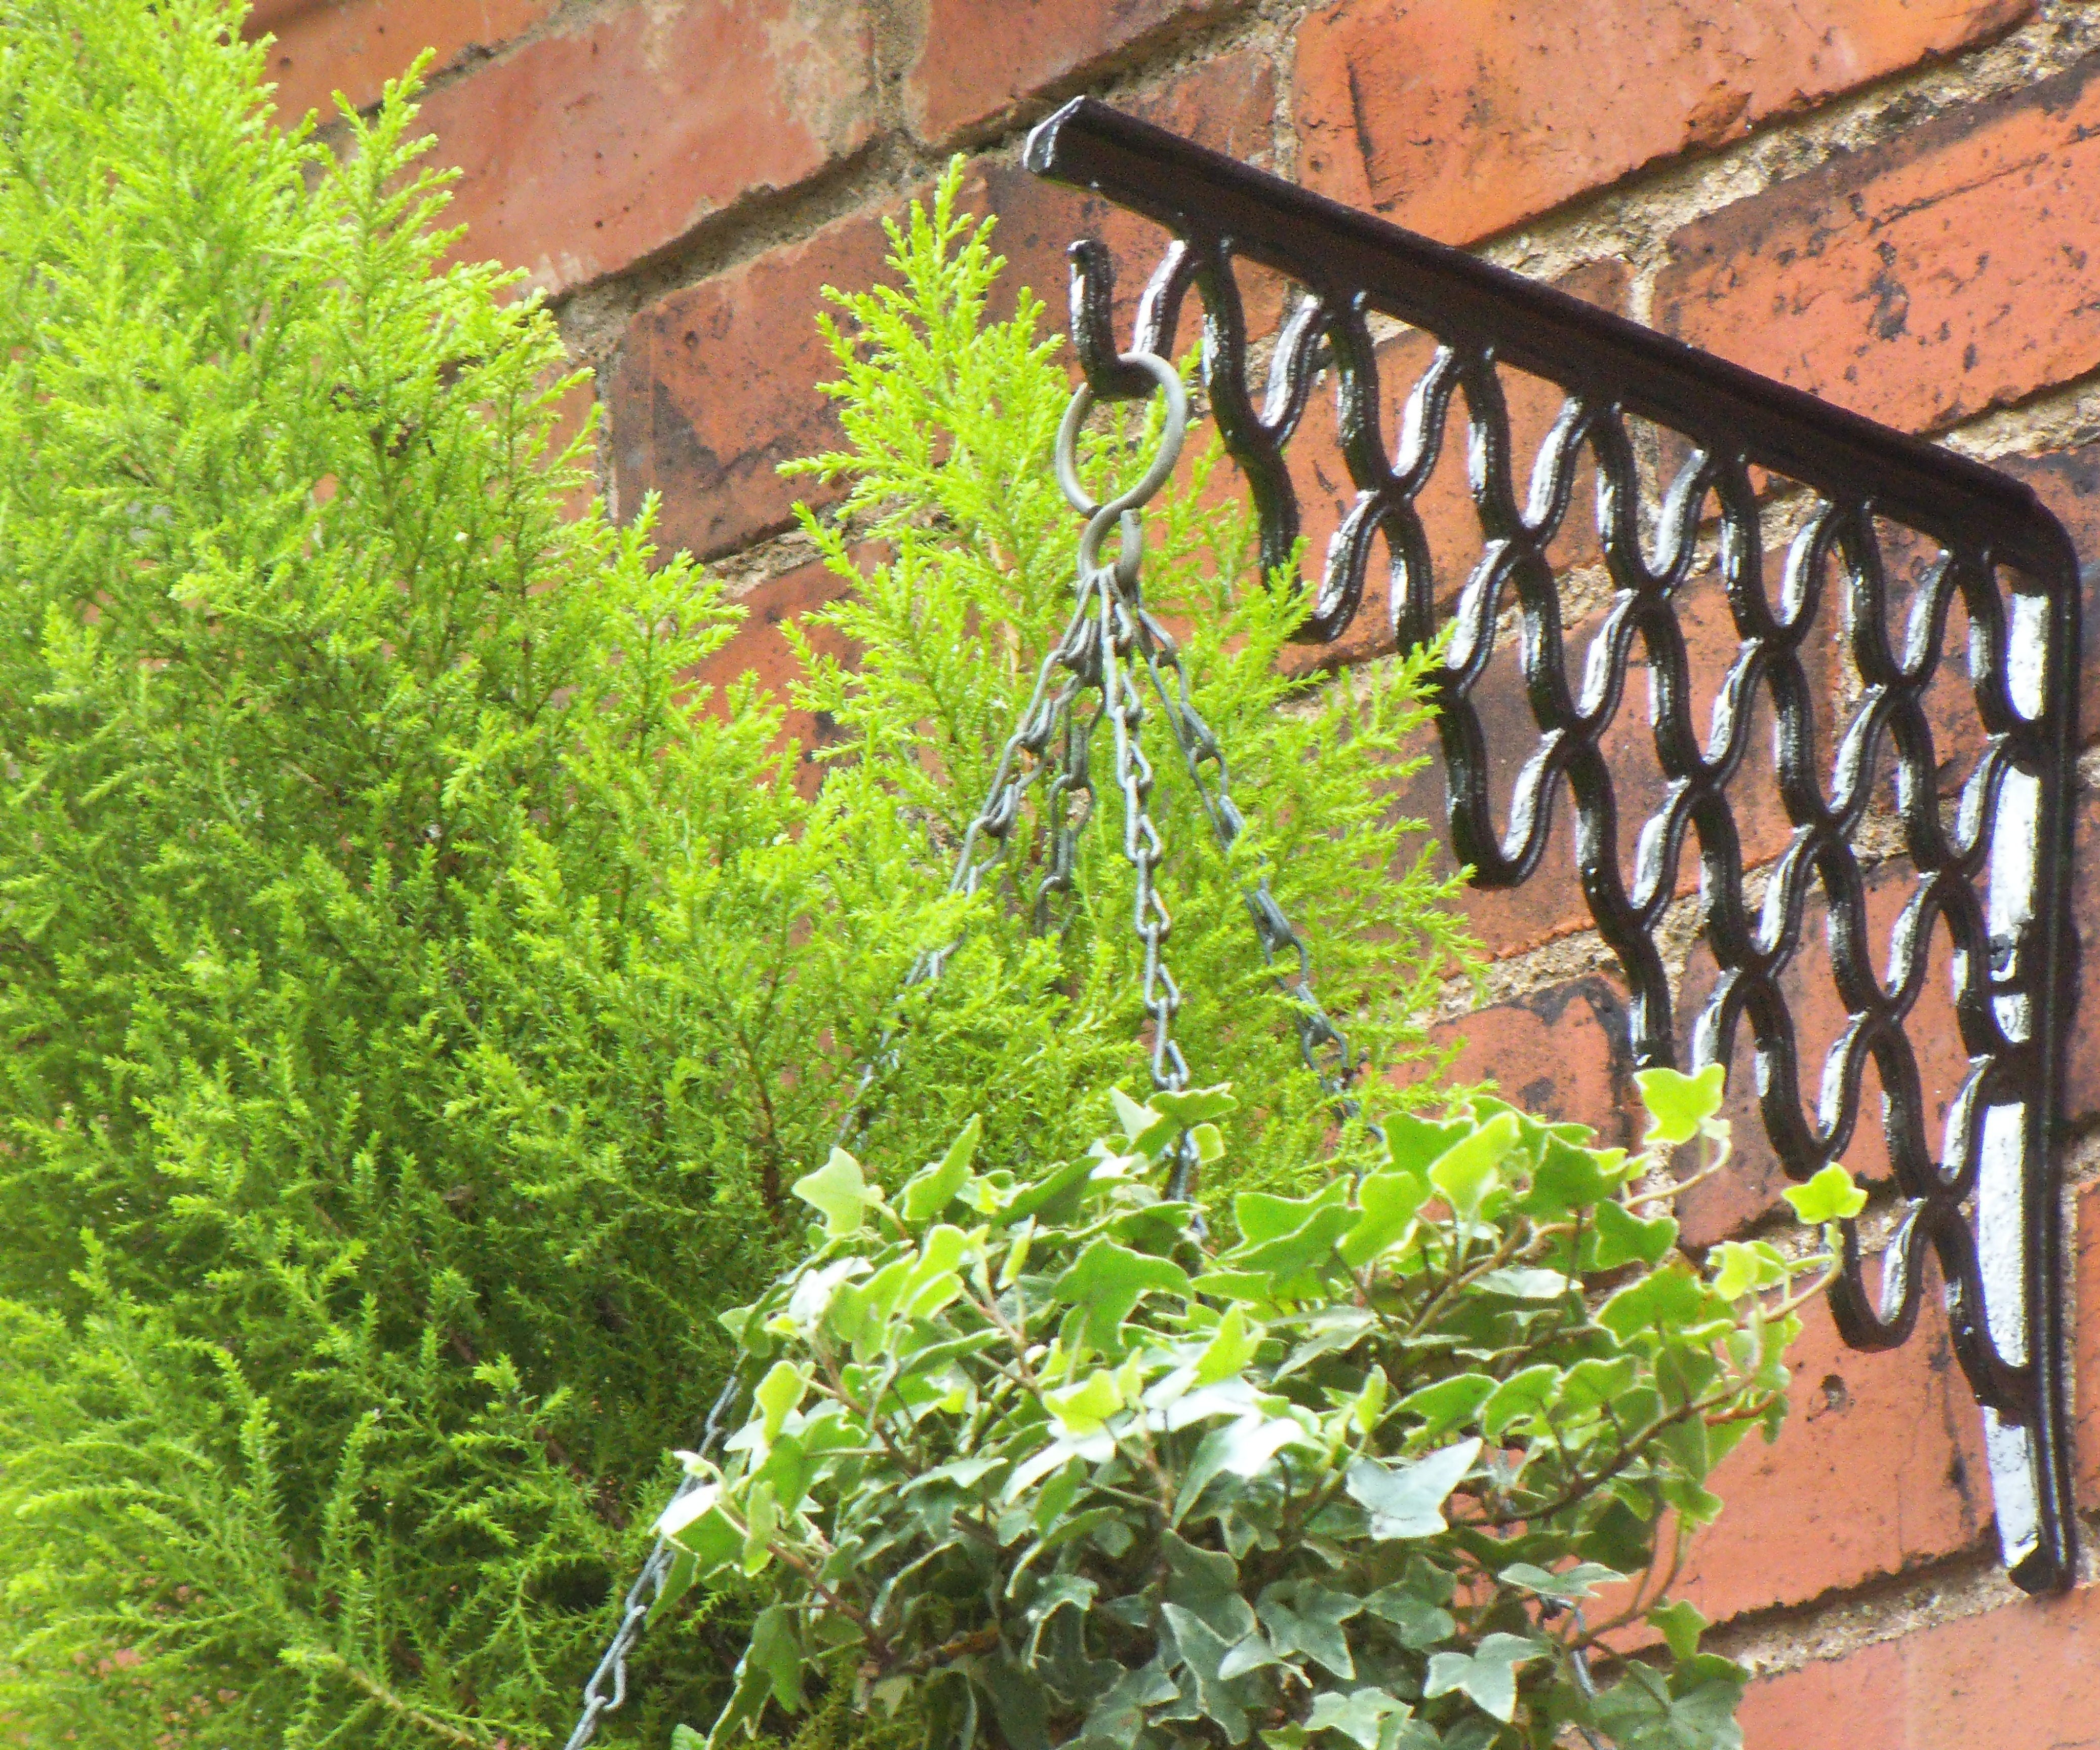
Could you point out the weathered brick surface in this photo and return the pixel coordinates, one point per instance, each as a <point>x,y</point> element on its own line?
<point>2085,1345</point>
<point>2019,1675</point>
<point>1227,103</point>
<point>980,58</point>
<point>355,46</point>
<point>1459,118</point>
<point>1920,281</point>
<point>1560,1053</point>
<point>2081,1088</point>
<point>760,648</point>
<point>716,386</point>
<point>1880,1466</point>
<point>590,148</point>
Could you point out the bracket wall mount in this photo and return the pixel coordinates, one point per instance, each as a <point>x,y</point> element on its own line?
<point>1853,508</point>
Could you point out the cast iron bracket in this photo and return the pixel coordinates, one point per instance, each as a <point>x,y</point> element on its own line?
<point>1992,860</point>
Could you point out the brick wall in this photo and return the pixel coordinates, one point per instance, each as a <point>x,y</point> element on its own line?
<point>1891,203</point>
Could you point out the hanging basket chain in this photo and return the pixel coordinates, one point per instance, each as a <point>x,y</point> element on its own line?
<point>1110,635</point>
<point>647,1589</point>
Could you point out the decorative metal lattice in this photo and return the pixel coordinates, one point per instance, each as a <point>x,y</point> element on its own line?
<point>1762,466</point>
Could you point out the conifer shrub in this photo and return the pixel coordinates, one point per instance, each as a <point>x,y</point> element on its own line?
<point>416,1006</point>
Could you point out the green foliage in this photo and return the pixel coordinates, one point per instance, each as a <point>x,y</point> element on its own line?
<point>1031,1456</point>
<point>949,419</point>
<point>417,1002</point>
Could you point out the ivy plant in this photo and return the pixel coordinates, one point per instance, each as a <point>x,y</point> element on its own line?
<point>1037,1460</point>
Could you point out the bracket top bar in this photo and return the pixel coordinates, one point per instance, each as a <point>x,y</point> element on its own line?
<point>1605,357</point>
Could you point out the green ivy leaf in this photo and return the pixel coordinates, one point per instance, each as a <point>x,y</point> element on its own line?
<point>1744,1268</point>
<point>685,1737</point>
<point>1565,1587</point>
<point>839,1193</point>
<point>1646,1712</point>
<point>1106,1282</point>
<point>778,1393</point>
<point>1468,1172</point>
<point>1671,1298</point>
<point>1411,1143</point>
<point>1569,1178</point>
<point>1521,1395</point>
<point>1414,1605</point>
<point>931,1191</point>
<point>1408,1501</point>
<point>1309,1621</point>
<point>1486,1677</point>
<point>1448,1403</point>
<point>1677,1104</point>
<point>1520,1283</point>
<point>1201,1651</point>
<point>1360,1716</point>
<point>771,1666</point>
<point>1593,1383</point>
<point>677,1581</point>
<point>1389,1201</point>
<point>1282,1237</point>
<point>1243,1447</point>
<point>1681,1624</point>
<point>1623,1238</point>
<point>1194,1106</point>
<point>1134,1117</point>
<point>1830,1196</point>
<point>1231,1347</point>
<point>1086,1407</point>
<point>1261,1215</point>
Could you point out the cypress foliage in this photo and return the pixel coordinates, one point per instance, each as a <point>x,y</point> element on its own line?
<point>413,1004</point>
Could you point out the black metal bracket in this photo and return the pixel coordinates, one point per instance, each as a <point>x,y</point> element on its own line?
<point>1991,854</point>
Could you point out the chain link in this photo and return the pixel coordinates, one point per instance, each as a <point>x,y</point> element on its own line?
<point>1111,646</point>
<point>642,1595</point>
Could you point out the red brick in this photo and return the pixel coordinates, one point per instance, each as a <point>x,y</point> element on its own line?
<point>1559,1054</point>
<point>1460,117</point>
<point>355,46</point>
<point>980,58</point>
<point>2081,1066</point>
<point>1227,103</point>
<point>1922,281</point>
<point>760,648</point>
<point>2019,1676</point>
<point>1880,1466</point>
<point>595,147</point>
<point>2085,1345</point>
<point>716,386</point>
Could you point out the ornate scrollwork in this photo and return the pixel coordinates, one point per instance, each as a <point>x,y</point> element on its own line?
<point>1980,1199</point>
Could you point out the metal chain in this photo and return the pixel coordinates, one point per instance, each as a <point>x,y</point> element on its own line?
<point>642,1595</point>
<point>1578,1659</point>
<point>1110,633</point>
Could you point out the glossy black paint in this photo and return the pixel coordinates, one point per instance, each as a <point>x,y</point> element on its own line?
<point>2000,553</point>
